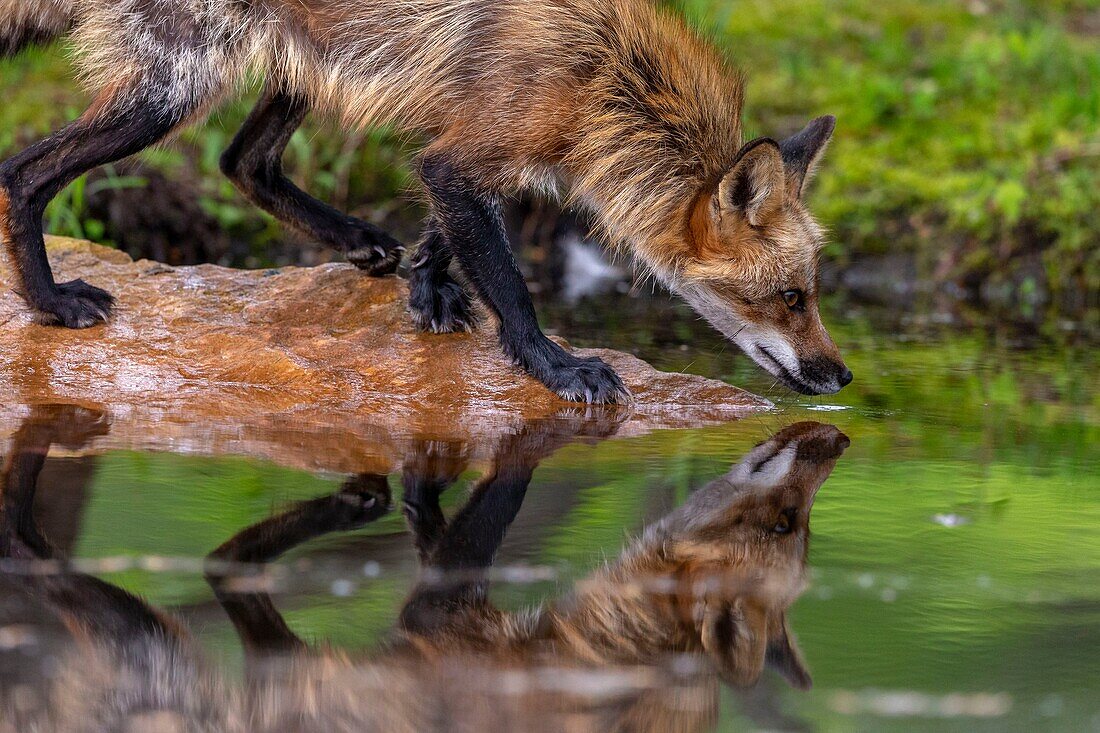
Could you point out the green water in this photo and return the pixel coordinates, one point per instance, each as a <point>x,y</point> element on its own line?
<point>955,550</point>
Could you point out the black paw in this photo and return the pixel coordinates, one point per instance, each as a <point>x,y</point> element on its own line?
<point>361,500</point>
<point>440,307</point>
<point>71,426</point>
<point>376,260</point>
<point>76,304</point>
<point>588,380</point>
<point>373,251</point>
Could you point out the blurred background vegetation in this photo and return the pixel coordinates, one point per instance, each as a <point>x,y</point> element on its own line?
<point>967,158</point>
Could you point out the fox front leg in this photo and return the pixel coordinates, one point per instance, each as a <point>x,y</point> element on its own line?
<point>430,468</point>
<point>472,225</point>
<point>438,302</point>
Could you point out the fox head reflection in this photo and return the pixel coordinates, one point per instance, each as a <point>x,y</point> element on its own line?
<point>732,561</point>
<point>711,581</point>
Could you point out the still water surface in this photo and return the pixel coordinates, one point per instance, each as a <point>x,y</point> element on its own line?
<point>952,579</point>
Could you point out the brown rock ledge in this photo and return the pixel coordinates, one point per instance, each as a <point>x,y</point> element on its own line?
<point>314,367</point>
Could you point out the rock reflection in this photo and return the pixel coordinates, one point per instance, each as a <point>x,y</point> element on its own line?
<point>644,643</point>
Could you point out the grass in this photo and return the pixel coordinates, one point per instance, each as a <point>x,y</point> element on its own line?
<point>969,133</point>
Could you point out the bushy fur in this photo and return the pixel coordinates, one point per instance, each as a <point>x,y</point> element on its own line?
<point>624,103</point>
<point>23,22</point>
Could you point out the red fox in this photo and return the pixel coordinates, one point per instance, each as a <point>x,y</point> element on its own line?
<point>612,104</point>
<point>638,645</point>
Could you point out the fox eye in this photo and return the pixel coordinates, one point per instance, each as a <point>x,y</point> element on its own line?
<point>794,299</point>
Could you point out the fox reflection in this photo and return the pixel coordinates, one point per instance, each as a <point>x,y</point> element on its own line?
<point>710,582</point>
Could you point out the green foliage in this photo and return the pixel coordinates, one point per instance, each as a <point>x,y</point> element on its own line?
<point>67,214</point>
<point>362,172</point>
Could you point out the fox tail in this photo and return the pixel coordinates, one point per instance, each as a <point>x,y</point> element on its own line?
<point>27,22</point>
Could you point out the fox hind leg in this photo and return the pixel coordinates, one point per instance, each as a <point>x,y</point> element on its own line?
<point>254,163</point>
<point>120,122</point>
<point>438,302</point>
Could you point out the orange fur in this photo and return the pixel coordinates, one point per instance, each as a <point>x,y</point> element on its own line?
<point>624,104</point>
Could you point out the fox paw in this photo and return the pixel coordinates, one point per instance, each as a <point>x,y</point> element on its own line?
<point>76,304</point>
<point>434,463</point>
<point>376,260</point>
<point>361,500</point>
<point>371,249</point>
<point>589,380</point>
<point>442,307</point>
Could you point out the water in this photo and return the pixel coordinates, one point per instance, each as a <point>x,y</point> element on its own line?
<point>952,580</point>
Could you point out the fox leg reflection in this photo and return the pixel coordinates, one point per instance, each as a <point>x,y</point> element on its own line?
<point>362,499</point>
<point>459,554</point>
<point>119,617</point>
<point>430,469</point>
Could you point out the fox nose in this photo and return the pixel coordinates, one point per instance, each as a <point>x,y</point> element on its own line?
<point>846,378</point>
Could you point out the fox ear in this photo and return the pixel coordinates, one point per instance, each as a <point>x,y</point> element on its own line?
<point>754,187</point>
<point>734,636</point>
<point>784,657</point>
<point>802,151</point>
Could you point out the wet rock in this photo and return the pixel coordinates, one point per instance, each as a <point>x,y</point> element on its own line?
<point>298,364</point>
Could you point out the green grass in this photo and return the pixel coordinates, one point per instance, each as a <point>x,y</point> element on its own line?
<point>969,131</point>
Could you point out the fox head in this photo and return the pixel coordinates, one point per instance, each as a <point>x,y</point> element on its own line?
<point>739,545</point>
<point>751,270</point>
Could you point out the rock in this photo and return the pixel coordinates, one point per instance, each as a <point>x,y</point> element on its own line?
<point>313,367</point>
